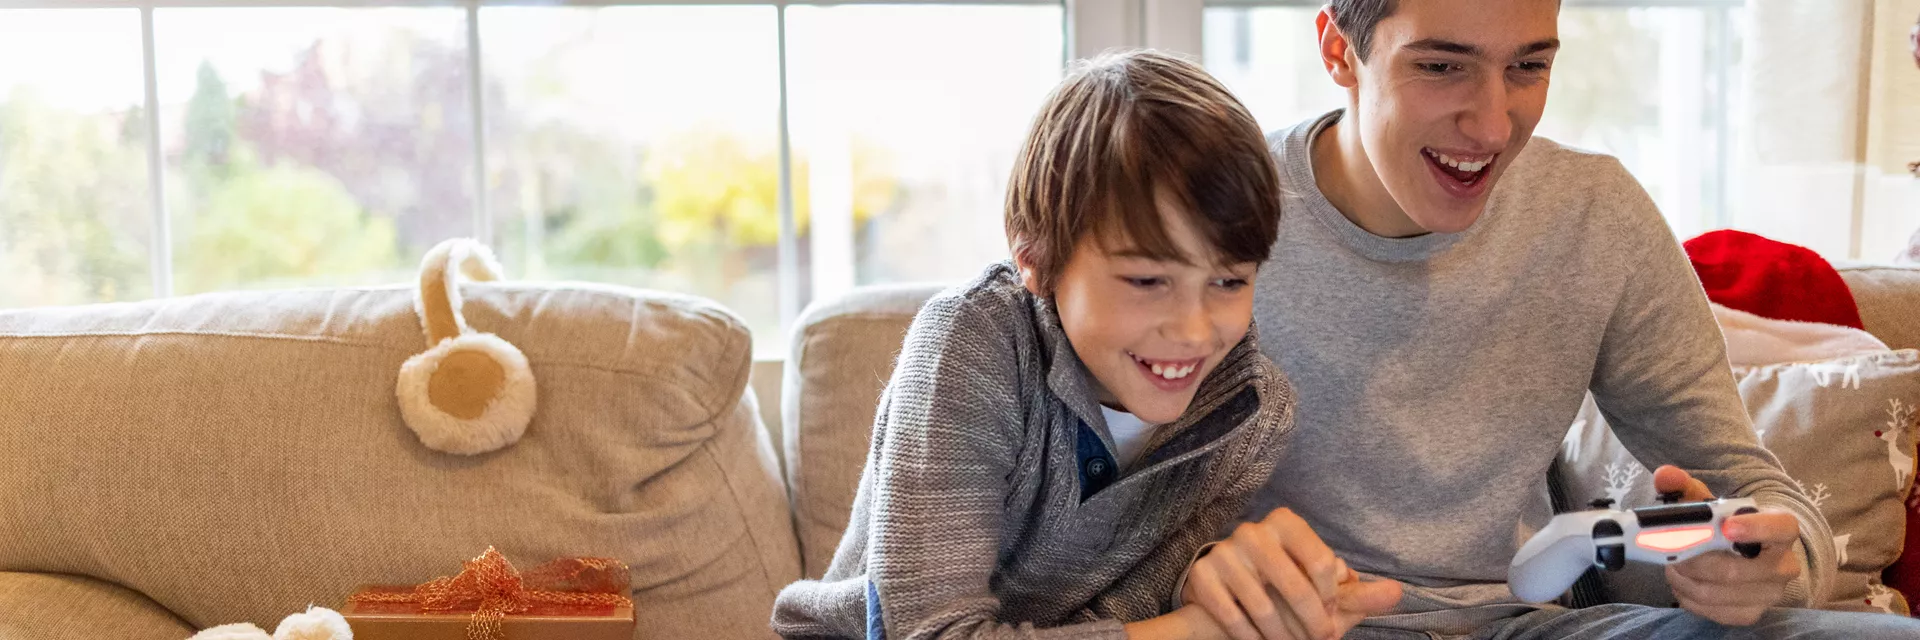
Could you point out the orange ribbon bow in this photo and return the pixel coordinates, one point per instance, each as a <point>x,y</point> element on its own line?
<point>493,589</point>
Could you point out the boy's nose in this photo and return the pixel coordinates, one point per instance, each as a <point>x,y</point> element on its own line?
<point>1190,326</point>
<point>1488,123</point>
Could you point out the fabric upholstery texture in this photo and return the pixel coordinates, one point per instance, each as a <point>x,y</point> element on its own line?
<point>1889,301</point>
<point>235,457</point>
<point>52,606</point>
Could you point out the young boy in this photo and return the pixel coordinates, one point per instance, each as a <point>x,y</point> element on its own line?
<point>1063,433</point>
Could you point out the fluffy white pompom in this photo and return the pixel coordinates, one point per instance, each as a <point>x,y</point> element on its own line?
<point>318,623</point>
<point>235,631</point>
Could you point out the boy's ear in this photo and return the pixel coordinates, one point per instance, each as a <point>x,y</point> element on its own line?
<point>1336,52</point>
<point>1023,259</point>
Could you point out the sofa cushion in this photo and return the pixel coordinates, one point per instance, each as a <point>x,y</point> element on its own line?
<point>1844,431</point>
<point>840,359</point>
<point>51,606</point>
<point>1889,301</point>
<point>235,457</point>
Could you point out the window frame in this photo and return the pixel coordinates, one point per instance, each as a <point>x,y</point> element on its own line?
<point>1092,20</point>
<point>1089,27</point>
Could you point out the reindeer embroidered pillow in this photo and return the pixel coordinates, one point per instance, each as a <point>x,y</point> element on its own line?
<point>1844,429</point>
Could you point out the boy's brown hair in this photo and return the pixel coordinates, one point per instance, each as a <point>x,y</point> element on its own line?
<point>1357,19</point>
<point>1123,130</point>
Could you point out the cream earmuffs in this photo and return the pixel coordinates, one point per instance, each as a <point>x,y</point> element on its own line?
<point>470,392</point>
<point>316,623</point>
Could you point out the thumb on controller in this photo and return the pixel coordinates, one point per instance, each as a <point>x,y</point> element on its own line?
<point>1368,597</point>
<point>1669,479</point>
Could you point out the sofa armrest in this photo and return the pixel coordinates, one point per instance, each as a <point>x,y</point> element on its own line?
<point>53,606</point>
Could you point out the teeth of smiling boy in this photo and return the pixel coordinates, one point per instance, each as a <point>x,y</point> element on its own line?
<point>1170,372</point>
<point>1469,167</point>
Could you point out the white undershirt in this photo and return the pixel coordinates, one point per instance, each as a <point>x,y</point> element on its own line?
<point>1130,436</point>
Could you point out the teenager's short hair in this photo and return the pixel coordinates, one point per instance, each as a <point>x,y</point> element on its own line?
<point>1124,130</point>
<point>1358,18</point>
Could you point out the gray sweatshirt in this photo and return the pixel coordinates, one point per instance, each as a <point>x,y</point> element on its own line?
<point>1438,374</point>
<point>990,506</point>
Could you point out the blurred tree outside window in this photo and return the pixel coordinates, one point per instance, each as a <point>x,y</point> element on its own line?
<point>632,145</point>
<point>312,146</point>
<point>640,145</point>
<point>75,212</point>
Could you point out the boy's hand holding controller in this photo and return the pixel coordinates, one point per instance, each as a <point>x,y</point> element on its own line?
<point>1724,587</point>
<point>1727,560</point>
<point>1276,580</point>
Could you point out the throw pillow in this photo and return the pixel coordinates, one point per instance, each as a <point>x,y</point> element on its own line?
<point>1843,429</point>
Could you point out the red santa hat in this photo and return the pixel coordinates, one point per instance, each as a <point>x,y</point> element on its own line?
<point>1771,279</point>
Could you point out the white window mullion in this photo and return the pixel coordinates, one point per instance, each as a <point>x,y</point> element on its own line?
<point>482,216</point>
<point>161,249</point>
<point>1094,26</point>
<point>1722,67</point>
<point>826,132</point>
<point>789,243</point>
<point>1683,84</point>
<point>1174,25</point>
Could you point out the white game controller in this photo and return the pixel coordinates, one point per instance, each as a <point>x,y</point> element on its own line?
<point>1549,563</point>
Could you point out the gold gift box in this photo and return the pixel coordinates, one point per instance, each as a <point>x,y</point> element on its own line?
<point>542,621</point>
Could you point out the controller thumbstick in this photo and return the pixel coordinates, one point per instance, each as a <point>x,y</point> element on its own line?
<point>1611,556</point>
<point>1671,497</point>
<point>1748,550</point>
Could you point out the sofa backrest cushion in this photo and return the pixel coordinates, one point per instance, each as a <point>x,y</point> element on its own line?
<point>1889,301</point>
<point>238,456</point>
<point>841,357</point>
<point>54,606</point>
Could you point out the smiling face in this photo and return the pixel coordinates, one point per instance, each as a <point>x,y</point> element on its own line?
<point>1141,205</point>
<point>1445,100</point>
<point>1151,329</point>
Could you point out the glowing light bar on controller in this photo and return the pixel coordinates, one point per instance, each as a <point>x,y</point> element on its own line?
<point>1671,540</point>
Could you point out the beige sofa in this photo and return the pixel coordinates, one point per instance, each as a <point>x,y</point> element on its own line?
<point>176,464</point>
